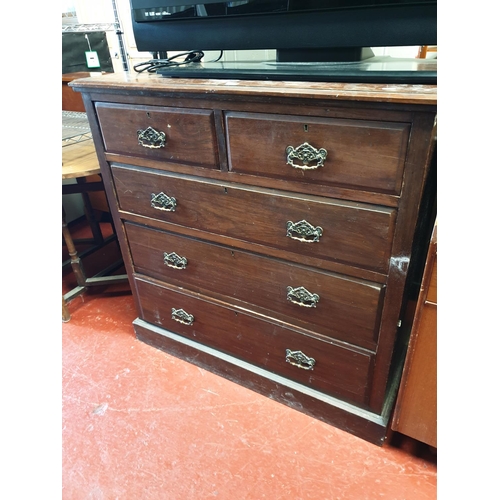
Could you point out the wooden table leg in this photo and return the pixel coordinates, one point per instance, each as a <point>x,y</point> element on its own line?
<point>65,311</point>
<point>90,214</point>
<point>76,263</point>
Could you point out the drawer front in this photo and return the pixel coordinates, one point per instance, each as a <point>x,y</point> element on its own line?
<point>335,370</point>
<point>351,233</point>
<point>330,304</point>
<point>350,153</point>
<point>169,134</point>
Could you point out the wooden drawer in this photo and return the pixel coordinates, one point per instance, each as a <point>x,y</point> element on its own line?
<point>338,371</point>
<point>332,305</point>
<point>362,154</point>
<point>352,233</point>
<point>189,134</point>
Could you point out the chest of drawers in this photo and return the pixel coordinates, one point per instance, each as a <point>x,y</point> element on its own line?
<point>267,228</point>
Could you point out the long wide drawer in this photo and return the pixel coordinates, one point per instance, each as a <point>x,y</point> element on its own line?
<point>351,233</point>
<point>334,370</point>
<point>330,304</point>
<point>354,153</point>
<point>159,133</point>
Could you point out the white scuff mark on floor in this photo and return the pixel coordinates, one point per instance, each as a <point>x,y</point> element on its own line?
<point>211,392</point>
<point>123,372</point>
<point>101,409</point>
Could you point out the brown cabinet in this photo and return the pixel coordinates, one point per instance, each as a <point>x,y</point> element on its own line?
<point>415,413</point>
<point>72,101</point>
<point>267,228</point>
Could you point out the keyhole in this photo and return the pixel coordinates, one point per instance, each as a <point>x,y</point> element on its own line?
<point>306,128</point>
<point>148,115</point>
<point>225,190</point>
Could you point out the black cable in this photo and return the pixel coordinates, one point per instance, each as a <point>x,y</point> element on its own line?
<point>220,55</point>
<point>152,65</point>
<point>192,56</point>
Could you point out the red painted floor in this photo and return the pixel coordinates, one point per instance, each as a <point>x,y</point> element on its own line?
<point>141,424</point>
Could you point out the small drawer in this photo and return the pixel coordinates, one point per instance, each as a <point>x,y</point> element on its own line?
<point>158,133</point>
<point>333,305</point>
<point>332,369</point>
<point>365,155</point>
<point>351,233</point>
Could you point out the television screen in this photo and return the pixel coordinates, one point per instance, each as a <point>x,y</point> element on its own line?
<point>169,25</point>
<point>320,33</point>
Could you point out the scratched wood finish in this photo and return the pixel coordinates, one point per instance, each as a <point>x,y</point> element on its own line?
<point>259,281</point>
<point>364,92</point>
<point>366,155</point>
<point>189,134</point>
<point>338,371</point>
<point>351,233</point>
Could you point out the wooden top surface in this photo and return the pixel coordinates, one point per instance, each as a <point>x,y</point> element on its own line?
<point>79,160</point>
<point>400,93</point>
<point>69,77</point>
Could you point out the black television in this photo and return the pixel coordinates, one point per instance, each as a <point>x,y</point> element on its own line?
<point>311,37</point>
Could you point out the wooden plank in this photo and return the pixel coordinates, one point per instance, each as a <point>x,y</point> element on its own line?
<point>401,93</point>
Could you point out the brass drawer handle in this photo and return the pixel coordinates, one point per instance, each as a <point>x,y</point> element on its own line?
<point>161,201</point>
<point>303,231</point>
<point>151,138</point>
<point>302,297</point>
<point>182,316</point>
<point>306,154</point>
<point>174,260</point>
<point>299,359</point>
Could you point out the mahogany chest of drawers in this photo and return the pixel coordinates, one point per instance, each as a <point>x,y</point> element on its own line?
<point>267,228</point>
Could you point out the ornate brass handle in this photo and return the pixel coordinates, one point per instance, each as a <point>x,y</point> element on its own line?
<point>306,154</point>
<point>151,138</point>
<point>174,260</point>
<point>182,316</point>
<point>302,297</point>
<point>303,231</point>
<point>161,201</point>
<point>299,359</point>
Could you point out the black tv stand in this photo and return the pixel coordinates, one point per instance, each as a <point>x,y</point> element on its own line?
<point>340,54</point>
<point>373,70</point>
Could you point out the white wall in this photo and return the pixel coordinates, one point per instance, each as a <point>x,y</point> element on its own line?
<point>396,51</point>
